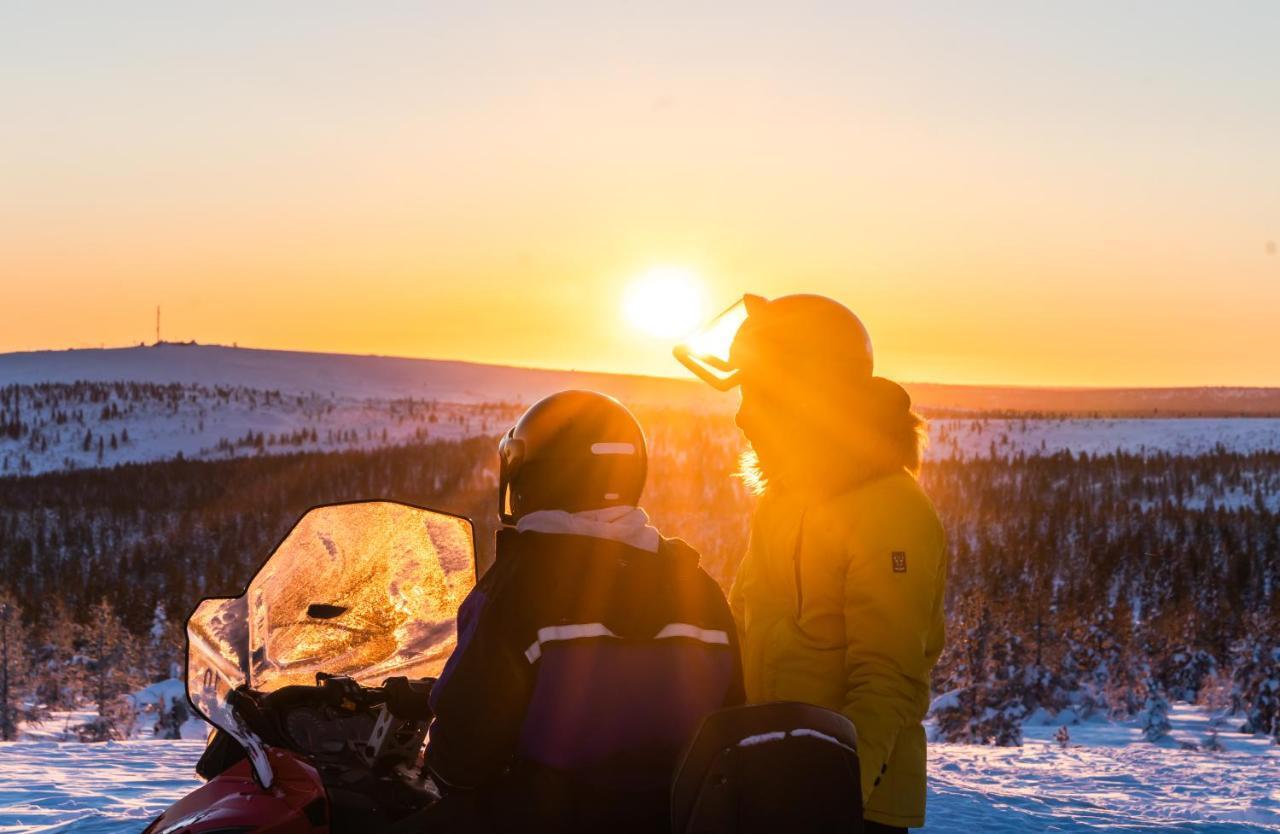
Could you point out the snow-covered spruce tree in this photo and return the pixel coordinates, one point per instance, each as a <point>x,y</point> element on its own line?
<point>1126,664</point>
<point>113,671</point>
<point>1046,687</point>
<point>952,714</point>
<point>1256,693</point>
<point>1155,713</point>
<point>1092,680</point>
<point>1010,692</point>
<point>59,669</point>
<point>1215,692</point>
<point>963,717</point>
<point>1083,672</point>
<point>14,666</point>
<point>959,673</point>
<point>1000,724</point>
<point>989,706</point>
<point>1184,671</point>
<point>172,716</point>
<point>163,646</point>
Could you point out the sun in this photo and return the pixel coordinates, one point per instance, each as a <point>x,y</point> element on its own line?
<point>666,302</point>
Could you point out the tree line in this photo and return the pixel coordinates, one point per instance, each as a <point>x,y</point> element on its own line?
<point>1078,584</point>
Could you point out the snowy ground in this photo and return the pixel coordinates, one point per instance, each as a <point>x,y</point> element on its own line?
<point>1105,780</point>
<point>92,788</point>
<point>1040,787</point>
<point>950,438</point>
<point>205,425</point>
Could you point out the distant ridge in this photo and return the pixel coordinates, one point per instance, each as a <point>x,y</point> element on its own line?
<point>377,377</point>
<point>1111,402</point>
<point>387,377</point>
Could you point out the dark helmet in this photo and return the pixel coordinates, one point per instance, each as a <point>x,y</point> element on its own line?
<point>572,451</point>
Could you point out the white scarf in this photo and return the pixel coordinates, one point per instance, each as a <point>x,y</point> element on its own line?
<point>629,525</point>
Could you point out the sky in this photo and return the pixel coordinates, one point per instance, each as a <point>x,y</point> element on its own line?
<point>1006,193</point>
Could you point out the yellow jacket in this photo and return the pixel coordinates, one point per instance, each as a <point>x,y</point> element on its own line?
<point>839,604</point>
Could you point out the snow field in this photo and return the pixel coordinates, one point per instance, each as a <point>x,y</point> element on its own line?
<point>1042,787</point>
<point>976,438</point>
<point>205,426</point>
<point>92,788</point>
<point>1105,779</point>
<point>208,427</point>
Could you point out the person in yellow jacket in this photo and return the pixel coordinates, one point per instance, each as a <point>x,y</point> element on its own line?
<point>839,600</point>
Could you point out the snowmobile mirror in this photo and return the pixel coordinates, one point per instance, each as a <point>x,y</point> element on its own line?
<point>706,352</point>
<point>324,611</point>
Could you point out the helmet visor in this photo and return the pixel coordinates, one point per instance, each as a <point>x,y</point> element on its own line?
<point>706,352</point>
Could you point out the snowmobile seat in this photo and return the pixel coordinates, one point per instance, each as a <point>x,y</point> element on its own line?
<point>782,766</point>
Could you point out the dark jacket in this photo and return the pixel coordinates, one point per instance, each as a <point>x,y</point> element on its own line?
<point>583,668</point>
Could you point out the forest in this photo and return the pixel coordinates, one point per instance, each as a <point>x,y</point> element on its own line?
<point>1079,585</point>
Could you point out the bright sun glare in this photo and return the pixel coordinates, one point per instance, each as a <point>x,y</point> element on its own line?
<point>665,302</point>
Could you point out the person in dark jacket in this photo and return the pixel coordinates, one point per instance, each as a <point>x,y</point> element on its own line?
<point>590,651</point>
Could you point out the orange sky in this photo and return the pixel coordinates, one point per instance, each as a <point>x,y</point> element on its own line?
<point>1008,195</point>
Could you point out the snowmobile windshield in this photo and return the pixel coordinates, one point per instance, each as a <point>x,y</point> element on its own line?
<point>706,352</point>
<point>369,590</point>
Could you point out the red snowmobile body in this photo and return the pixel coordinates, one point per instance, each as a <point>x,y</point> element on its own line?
<point>234,801</point>
<point>318,676</point>
<point>340,756</point>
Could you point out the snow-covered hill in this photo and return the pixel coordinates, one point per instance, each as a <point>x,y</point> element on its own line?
<point>84,408</point>
<point>87,408</point>
<point>75,426</point>
<point>49,428</point>
<point>337,375</point>
<point>985,437</point>
<point>388,377</point>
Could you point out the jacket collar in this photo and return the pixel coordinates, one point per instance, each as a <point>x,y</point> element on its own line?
<point>627,525</point>
<point>511,541</point>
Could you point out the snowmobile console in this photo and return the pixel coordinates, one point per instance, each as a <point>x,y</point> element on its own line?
<point>384,726</point>
<point>782,766</point>
<point>363,742</point>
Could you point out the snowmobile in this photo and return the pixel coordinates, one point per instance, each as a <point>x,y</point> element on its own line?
<point>317,680</point>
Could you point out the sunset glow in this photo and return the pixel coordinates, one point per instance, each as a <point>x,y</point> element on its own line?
<point>665,302</point>
<point>454,183</point>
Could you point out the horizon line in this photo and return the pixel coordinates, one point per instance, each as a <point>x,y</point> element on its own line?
<point>660,377</point>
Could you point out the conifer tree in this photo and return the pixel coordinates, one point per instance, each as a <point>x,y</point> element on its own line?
<point>1155,715</point>
<point>163,646</point>
<point>112,658</point>
<point>14,666</point>
<point>60,674</point>
<point>1256,693</point>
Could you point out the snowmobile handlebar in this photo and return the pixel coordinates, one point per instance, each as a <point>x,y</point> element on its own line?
<point>408,699</point>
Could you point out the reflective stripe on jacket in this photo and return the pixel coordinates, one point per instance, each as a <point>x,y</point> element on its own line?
<point>586,664</point>
<point>839,603</point>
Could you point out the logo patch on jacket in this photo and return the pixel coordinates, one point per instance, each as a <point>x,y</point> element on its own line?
<point>899,561</point>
